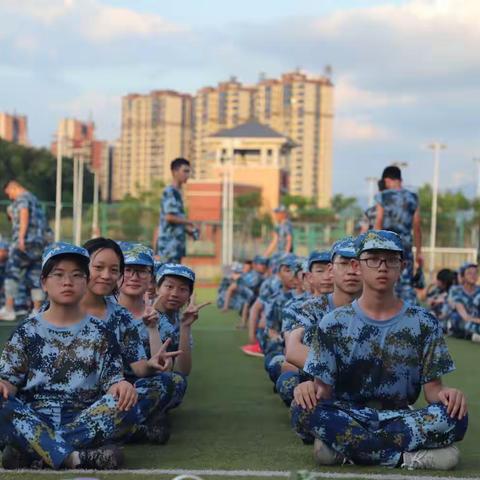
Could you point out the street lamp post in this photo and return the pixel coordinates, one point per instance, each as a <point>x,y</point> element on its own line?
<point>371,189</point>
<point>477,161</point>
<point>58,189</point>
<point>436,147</point>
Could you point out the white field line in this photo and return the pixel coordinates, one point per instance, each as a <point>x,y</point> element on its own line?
<point>245,473</point>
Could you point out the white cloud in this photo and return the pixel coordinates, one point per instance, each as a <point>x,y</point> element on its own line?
<point>348,96</point>
<point>360,129</point>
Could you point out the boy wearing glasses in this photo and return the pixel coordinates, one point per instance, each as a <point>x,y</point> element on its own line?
<point>347,286</point>
<point>373,358</point>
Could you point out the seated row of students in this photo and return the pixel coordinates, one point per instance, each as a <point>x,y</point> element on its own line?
<point>350,361</point>
<point>90,372</point>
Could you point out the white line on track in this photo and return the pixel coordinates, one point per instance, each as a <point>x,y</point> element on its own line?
<point>247,473</point>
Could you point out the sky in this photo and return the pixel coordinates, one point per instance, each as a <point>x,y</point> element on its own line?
<point>406,72</point>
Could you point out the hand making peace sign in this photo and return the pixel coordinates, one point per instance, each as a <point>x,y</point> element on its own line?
<point>190,314</point>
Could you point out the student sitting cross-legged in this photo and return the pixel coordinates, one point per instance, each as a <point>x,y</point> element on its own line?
<point>373,358</point>
<point>63,396</point>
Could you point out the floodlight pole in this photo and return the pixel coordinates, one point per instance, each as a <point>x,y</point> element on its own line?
<point>436,147</point>
<point>58,189</point>
<point>371,189</point>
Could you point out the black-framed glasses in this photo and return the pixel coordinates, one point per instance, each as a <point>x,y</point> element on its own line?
<point>140,273</point>
<point>375,262</point>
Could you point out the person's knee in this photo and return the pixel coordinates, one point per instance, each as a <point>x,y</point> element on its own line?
<point>11,287</point>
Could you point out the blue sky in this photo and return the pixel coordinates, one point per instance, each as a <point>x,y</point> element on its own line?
<point>406,72</point>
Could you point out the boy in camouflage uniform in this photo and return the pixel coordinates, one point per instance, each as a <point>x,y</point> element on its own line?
<point>282,241</point>
<point>398,211</point>
<point>347,287</point>
<point>370,363</point>
<point>465,301</point>
<point>25,255</point>
<point>170,236</point>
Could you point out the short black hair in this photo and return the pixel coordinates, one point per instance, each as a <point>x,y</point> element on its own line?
<point>101,243</point>
<point>447,277</point>
<point>248,262</point>
<point>183,279</point>
<point>178,163</point>
<point>392,172</point>
<point>82,263</point>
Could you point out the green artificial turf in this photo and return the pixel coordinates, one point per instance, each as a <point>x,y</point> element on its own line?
<point>232,420</point>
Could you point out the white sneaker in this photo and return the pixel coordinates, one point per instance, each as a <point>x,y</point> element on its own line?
<point>433,459</point>
<point>476,337</point>
<point>7,315</point>
<point>325,455</point>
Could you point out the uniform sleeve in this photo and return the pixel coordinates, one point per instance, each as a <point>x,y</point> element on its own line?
<point>379,198</point>
<point>437,360</point>
<point>171,205</point>
<point>112,365</point>
<point>22,202</point>
<point>321,360</point>
<point>131,344</point>
<point>14,360</point>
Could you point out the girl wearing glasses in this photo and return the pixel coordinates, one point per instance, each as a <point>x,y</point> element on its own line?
<point>63,395</point>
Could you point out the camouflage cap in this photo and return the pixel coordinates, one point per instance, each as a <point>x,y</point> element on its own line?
<point>290,260</point>
<point>137,254</point>
<point>378,240</point>
<point>63,248</point>
<point>236,267</point>
<point>318,257</point>
<point>280,209</point>
<point>260,259</point>
<point>177,270</point>
<point>345,247</point>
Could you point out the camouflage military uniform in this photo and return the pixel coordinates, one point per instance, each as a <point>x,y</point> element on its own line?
<point>376,370</point>
<point>284,230</point>
<point>162,389</point>
<point>471,302</point>
<point>25,266</point>
<point>307,315</point>
<point>274,348</point>
<point>441,309</point>
<point>172,236</point>
<point>62,376</point>
<point>399,209</point>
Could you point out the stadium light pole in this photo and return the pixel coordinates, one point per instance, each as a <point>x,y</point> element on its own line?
<point>58,189</point>
<point>371,189</point>
<point>436,147</point>
<point>477,162</point>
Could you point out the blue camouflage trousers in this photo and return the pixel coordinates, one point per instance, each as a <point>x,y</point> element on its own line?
<point>285,386</point>
<point>368,436</point>
<point>23,268</point>
<point>404,287</point>
<point>29,430</point>
<point>165,390</point>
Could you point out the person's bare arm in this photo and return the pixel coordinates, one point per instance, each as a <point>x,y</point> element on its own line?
<point>379,217</point>
<point>295,351</point>
<point>23,227</point>
<point>170,218</point>
<point>154,239</point>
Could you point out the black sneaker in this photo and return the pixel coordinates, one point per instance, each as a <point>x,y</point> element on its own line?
<point>108,457</point>
<point>13,458</point>
<point>158,429</point>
